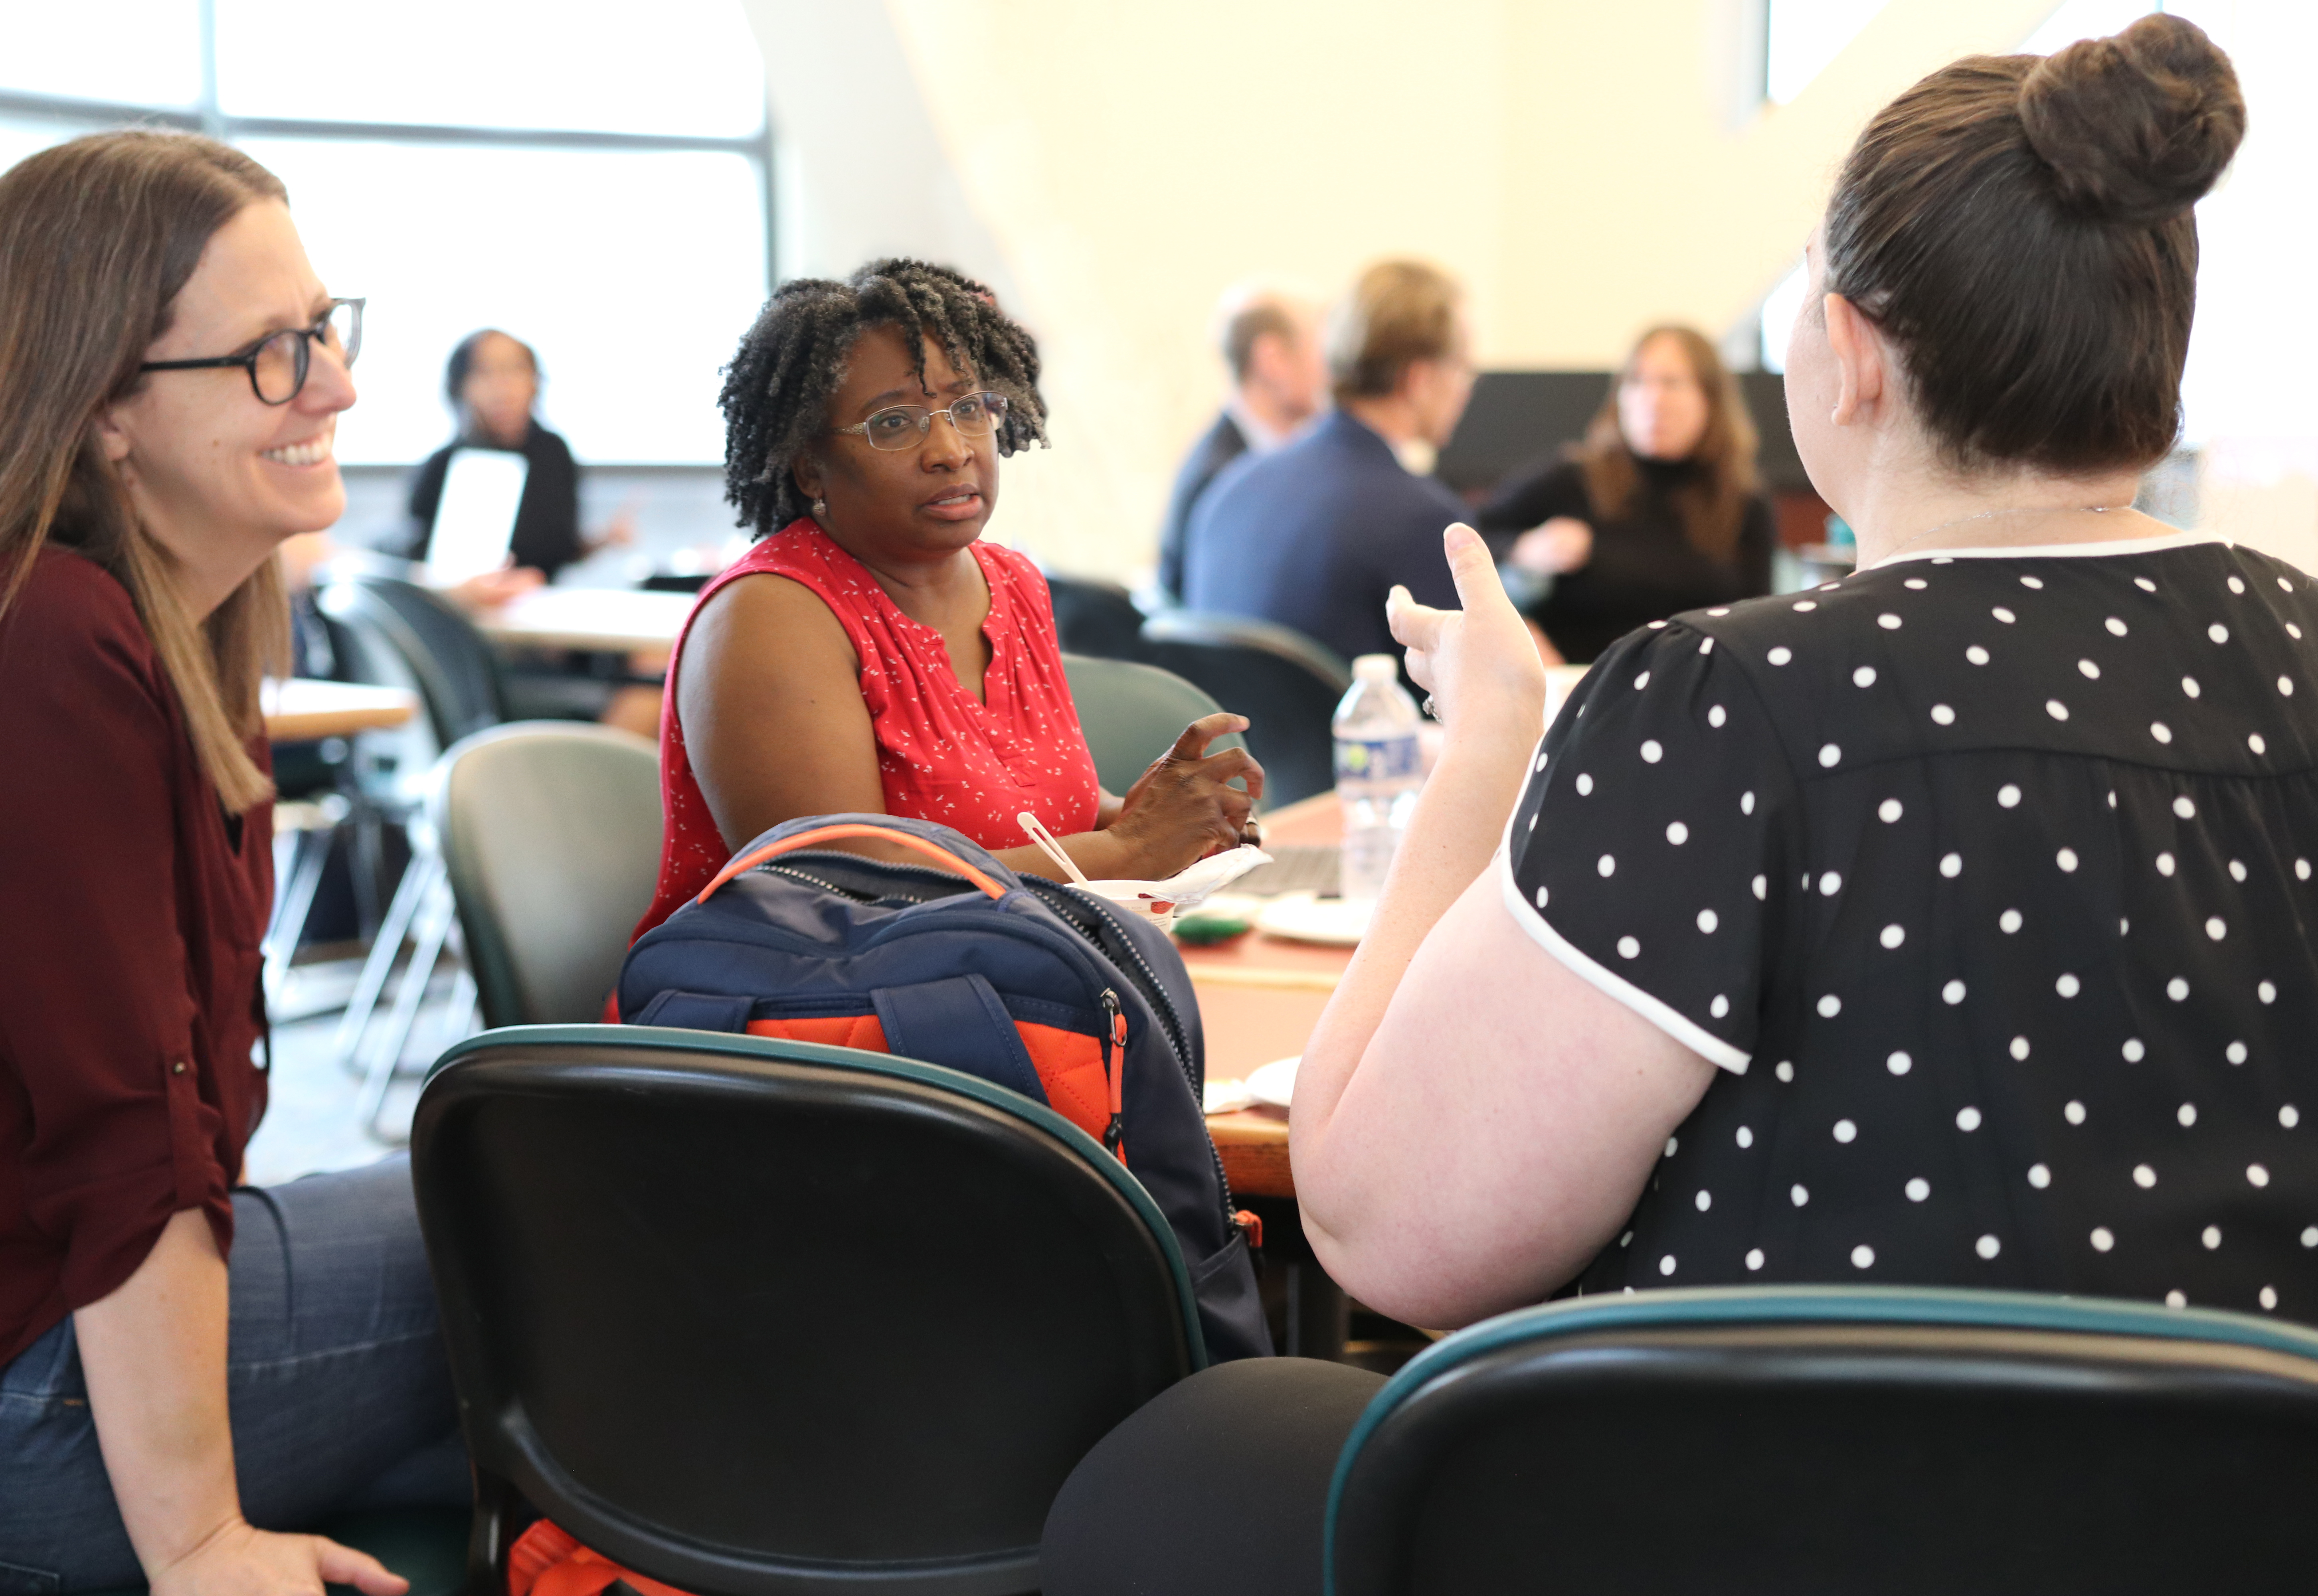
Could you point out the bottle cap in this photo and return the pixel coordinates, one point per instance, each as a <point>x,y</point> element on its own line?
<point>1375,668</point>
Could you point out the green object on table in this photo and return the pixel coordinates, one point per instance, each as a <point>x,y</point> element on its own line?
<point>1202,930</point>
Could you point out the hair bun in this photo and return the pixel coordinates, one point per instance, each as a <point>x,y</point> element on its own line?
<point>2136,128</point>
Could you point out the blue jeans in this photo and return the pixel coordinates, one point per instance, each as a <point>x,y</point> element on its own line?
<point>340,1395</point>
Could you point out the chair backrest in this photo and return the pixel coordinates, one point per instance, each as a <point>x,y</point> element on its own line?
<point>1832,1440</point>
<point>758,1316</point>
<point>1095,617</point>
<point>551,833</point>
<point>1132,714</point>
<point>1286,685</point>
<point>447,658</point>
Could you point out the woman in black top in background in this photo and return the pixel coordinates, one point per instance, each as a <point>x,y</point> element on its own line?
<point>1654,513</point>
<point>493,382</point>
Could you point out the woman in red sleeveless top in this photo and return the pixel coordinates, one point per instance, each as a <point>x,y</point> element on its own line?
<point>871,653</point>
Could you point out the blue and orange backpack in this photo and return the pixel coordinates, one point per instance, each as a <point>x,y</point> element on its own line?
<point>961,963</point>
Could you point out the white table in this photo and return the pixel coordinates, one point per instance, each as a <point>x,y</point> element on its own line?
<point>603,620</point>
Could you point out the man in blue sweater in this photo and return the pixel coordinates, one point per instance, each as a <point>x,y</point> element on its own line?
<point>1316,533</point>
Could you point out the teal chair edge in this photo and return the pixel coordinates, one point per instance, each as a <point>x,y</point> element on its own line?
<point>1950,1307</point>
<point>780,1049</point>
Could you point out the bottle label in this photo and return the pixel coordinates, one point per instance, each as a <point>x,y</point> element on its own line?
<point>1382,758</point>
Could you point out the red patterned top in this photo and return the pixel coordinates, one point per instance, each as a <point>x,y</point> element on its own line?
<point>942,755</point>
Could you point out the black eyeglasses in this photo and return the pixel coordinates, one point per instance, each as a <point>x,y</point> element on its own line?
<point>905,426</point>
<point>277,364</point>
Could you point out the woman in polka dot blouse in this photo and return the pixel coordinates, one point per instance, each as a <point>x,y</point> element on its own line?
<point>1949,924</point>
<point>1941,925</point>
<point>871,654</point>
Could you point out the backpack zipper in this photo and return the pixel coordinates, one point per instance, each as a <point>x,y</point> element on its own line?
<point>1171,1024</point>
<point>1114,1046</point>
<point>854,894</point>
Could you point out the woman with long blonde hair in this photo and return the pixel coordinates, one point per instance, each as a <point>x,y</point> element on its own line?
<point>180,1358</point>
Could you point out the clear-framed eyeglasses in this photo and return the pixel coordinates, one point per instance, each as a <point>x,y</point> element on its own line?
<point>278,363</point>
<point>905,426</point>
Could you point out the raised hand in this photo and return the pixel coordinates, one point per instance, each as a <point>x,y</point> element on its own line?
<point>1184,808</point>
<point>1481,657</point>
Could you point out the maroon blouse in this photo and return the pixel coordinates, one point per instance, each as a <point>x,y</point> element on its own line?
<point>130,916</point>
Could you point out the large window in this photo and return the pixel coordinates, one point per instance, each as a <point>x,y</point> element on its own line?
<point>1800,37</point>
<point>590,176</point>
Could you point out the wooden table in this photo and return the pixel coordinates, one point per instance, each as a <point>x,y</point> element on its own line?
<point>302,710</point>
<point>602,620</point>
<point>1259,998</point>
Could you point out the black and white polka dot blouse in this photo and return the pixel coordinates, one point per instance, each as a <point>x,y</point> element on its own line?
<point>1986,879</point>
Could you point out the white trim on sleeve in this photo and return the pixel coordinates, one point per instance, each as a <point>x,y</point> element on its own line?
<point>2136,546</point>
<point>1691,1034</point>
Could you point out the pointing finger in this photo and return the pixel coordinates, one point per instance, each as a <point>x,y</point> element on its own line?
<point>1472,569</point>
<point>1199,733</point>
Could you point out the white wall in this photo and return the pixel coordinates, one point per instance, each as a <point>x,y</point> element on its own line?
<point>1586,169</point>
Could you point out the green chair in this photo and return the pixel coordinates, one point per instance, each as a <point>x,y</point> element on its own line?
<point>1132,714</point>
<point>1812,1440</point>
<point>550,837</point>
<point>758,1317</point>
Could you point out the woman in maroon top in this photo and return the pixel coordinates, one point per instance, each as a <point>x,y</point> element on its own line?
<point>171,371</point>
<point>871,654</point>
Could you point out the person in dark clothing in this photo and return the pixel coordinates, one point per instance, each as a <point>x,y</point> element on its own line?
<point>1271,339</point>
<point>1947,925</point>
<point>1316,535</point>
<point>1654,513</point>
<point>492,381</point>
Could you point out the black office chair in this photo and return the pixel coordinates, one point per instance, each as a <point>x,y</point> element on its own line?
<point>1831,1440</point>
<point>1095,617</point>
<point>1284,683</point>
<point>400,633</point>
<point>457,677</point>
<point>755,1316</point>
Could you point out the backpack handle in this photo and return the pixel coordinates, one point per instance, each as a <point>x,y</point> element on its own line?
<point>789,844</point>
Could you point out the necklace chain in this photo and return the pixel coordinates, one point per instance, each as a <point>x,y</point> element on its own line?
<point>1910,542</point>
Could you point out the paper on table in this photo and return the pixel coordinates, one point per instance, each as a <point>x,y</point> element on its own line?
<point>1225,1096</point>
<point>1188,887</point>
<point>474,519</point>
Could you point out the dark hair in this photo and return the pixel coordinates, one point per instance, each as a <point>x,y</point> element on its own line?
<point>776,390</point>
<point>2020,227</point>
<point>1261,315</point>
<point>1399,313</point>
<point>462,361</point>
<point>1712,507</point>
<point>97,239</point>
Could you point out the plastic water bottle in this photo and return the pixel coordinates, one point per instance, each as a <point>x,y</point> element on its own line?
<point>1378,770</point>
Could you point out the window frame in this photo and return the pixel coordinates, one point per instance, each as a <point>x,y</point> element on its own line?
<point>205,116</point>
